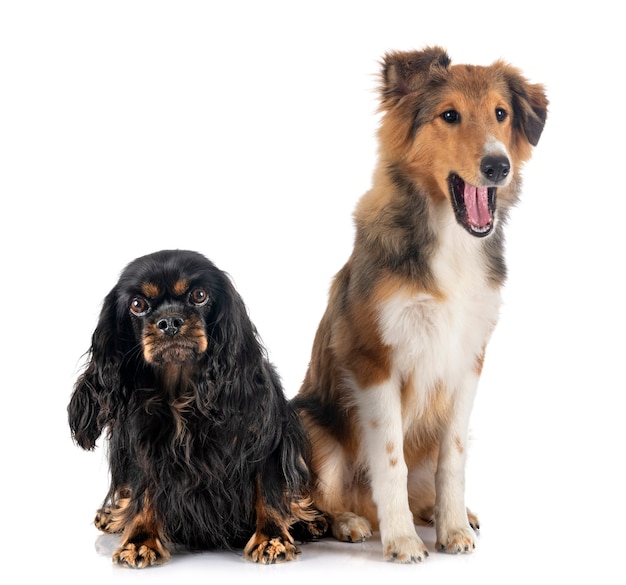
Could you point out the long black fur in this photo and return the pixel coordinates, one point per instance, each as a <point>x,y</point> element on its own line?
<point>197,458</point>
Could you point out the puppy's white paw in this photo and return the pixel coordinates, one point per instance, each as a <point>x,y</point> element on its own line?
<point>459,541</point>
<point>349,527</point>
<point>404,549</point>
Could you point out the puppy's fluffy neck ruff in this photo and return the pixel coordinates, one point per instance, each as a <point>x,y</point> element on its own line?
<point>404,228</point>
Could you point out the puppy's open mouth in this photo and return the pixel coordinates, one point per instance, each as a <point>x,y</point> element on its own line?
<point>474,207</point>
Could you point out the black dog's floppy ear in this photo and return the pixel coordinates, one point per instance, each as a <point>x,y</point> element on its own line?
<point>237,354</point>
<point>93,400</point>
<point>231,332</point>
<point>403,72</point>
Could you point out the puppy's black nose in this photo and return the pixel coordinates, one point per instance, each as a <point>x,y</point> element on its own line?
<point>170,325</point>
<point>495,167</point>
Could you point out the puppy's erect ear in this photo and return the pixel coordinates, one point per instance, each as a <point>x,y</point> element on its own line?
<point>93,401</point>
<point>530,105</point>
<point>404,72</point>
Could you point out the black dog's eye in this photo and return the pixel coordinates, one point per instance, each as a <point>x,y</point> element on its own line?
<point>451,116</point>
<point>501,114</point>
<point>198,297</point>
<point>139,306</point>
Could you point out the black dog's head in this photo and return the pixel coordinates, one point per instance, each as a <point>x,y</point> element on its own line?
<point>167,298</point>
<point>172,315</point>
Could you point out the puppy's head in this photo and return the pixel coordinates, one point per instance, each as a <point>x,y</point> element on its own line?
<point>461,131</point>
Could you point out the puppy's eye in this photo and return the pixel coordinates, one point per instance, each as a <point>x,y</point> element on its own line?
<point>139,306</point>
<point>198,297</point>
<point>501,114</point>
<point>451,117</point>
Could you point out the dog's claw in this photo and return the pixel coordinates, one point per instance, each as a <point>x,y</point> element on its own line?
<point>404,549</point>
<point>349,527</point>
<point>456,542</point>
<point>269,551</point>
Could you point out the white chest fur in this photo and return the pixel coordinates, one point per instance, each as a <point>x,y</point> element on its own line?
<point>439,341</point>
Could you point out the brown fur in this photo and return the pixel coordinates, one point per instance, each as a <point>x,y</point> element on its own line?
<point>402,251</point>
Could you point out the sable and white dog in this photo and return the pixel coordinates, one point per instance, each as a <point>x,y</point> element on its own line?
<point>397,357</point>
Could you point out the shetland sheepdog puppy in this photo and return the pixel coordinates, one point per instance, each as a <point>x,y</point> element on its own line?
<point>397,356</point>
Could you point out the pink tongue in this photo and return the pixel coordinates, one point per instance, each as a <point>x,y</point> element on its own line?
<point>477,205</point>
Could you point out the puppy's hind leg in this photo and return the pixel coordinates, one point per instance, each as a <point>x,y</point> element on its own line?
<point>335,488</point>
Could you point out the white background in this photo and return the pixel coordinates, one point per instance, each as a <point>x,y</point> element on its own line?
<point>245,130</point>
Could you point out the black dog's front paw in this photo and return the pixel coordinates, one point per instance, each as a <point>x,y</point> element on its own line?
<point>139,555</point>
<point>269,551</point>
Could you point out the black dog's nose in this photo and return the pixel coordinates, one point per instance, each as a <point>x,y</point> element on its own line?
<point>495,167</point>
<point>170,325</point>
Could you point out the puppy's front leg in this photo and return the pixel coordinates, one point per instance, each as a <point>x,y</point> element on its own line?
<point>380,413</point>
<point>454,533</point>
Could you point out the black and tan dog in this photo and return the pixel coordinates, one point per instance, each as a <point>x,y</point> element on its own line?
<point>399,351</point>
<point>205,451</point>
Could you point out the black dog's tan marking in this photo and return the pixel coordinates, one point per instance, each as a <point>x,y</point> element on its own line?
<point>149,290</point>
<point>204,449</point>
<point>180,287</point>
<point>191,340</point>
